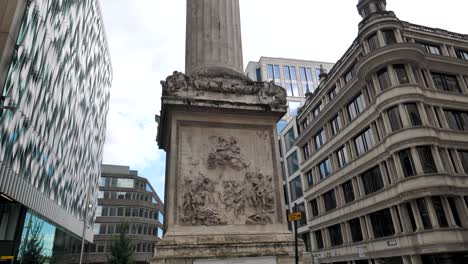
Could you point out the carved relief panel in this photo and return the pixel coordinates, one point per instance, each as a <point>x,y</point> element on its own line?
<point>226,176</point>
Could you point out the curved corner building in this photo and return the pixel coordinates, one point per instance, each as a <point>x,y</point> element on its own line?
<point>384,147</point>
<point>55,78</point>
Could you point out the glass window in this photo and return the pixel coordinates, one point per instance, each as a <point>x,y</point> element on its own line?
<point>292,163</point>
<point>427,161</point>
<point>382,223</point>
<point>301,208</point>
<point>411,216</point>
<point>336,238</point>
<point>356,106</point>
<point>161,218</point>
<point>305,123</point>
<point>330,200</point>
<point>112,211</point>
<point>348,191</point>
<point>314,207</point>
<point>439,210</point>
<point>372,180</point>
<point>384,78</point>
<point>413,113</point>
<point>332,93</point>
<point>335,124</point>
<point>295,188</point>
<point>160,232</point>
<point>286,198</point>
<point>389,36</point>
<point>258,74</point>
<point>407,162</point>
<point>445,82</point>
<point>281,125</point>
<point>424,212</point>
<point>103,229</point>
<point>9,221</point>
<point>319,239</point>
<point>325,169</point>
<point>364,142</point>
<point>445,258</point>
<point>306,79</point>
<point>317,109</point>
<point>293,107</point>
<point>291,80</point>
<point>401,73</point>
<point>148,188</point>
<point>394,118</point>
<point>289,139</point>
<point>462,54</point>
<point>310,178</point>
<point>356,232</point>
<point>464,159</point>
<point>102,181</point>
<point>373,41</point>
<point>305,151</point>
<point>342,157</point>
<point>273,72</point>
<point>457,120</point>
<point>320,139</point>
<point>348,76</point>
<point>454,210</point>
<point>99,211</point>
<point>430,48</point>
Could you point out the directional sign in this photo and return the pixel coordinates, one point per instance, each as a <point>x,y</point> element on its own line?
<point>297,216</point>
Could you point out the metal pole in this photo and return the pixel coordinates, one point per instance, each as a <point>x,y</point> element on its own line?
<point>295,236</point>
<point>84,225</point>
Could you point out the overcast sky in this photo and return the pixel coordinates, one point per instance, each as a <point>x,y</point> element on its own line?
<point>147,42</point>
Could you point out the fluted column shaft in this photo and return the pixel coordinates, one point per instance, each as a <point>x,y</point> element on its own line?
<point>213,35</point>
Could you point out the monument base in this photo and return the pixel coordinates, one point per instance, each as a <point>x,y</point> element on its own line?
<point>229,249</point>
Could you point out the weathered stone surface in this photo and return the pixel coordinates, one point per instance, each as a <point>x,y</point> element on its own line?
<point>221,247</point>
<point>213,36</point>
<point>224,195</point>
<point>217,89</point>
<point>225,181</point>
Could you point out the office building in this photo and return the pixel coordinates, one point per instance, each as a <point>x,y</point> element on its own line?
<point>298,77</point>
<point>124,197</point>
<point>383,147</point>
<point>55,78</point>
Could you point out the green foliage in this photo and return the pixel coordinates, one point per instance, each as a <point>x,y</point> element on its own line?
<point>34,246</point>
<point>122,247</point>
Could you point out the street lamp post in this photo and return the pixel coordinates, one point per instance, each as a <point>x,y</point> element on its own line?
<point>88,205</point>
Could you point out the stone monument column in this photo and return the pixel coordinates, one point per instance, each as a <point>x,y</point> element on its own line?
<point>224,200</point>
<point>213,36</point>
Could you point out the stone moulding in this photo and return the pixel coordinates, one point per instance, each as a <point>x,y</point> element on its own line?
<point>216,247</point>
<point>228,88</point>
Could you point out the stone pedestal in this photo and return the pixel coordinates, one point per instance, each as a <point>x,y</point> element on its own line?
<point>224,196</point>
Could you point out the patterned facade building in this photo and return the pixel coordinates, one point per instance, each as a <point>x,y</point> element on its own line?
<point>55,78</point>
<point>383,147</point>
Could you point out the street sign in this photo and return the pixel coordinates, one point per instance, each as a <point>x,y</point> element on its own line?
<point>6,259</point>
<point>294,216</point>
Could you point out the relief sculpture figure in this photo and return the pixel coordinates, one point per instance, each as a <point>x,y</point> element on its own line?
<point>199,202</point>
<point>237,195</point>
<point>225,152</point>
